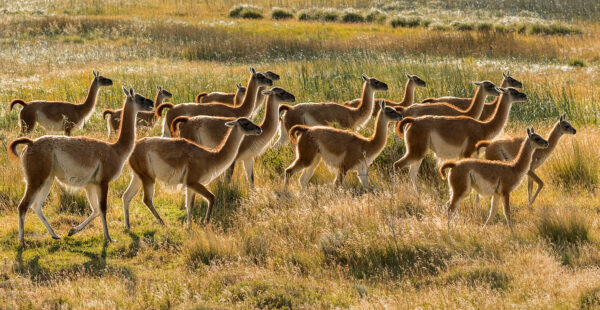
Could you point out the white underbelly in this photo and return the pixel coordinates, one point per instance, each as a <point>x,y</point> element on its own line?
<point>204,138</point>
<point>332,160</point>
<point>483,186</point>
<point>445,150</point>
<point>166,173</point>
<point>48,123</point>
<point>311,121</point>
<point>70,171</point>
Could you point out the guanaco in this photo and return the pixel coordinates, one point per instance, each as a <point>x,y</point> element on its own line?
<point>490,178</point>
<point>79,162</point>
<point>60,115</point>
<point>313,114</point>
<point>144,118</point>
<point>255,81</point>
<point>451,137</point>
<point>484,89</point>
<point>341,149</point>
<point>489,108</point>
<point>177,161</point>
<point>222,97</point>
<point>508,149</point>
<point>209,131</point>
<point>412,83</point>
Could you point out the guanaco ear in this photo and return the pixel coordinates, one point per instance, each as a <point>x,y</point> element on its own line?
<point>252,71</point>
<point>159,88</point>
<point>563,117</point>
<point>365,77</point>
<point>477,83</point>
<point>238,85</point>
<point>230,124</point>
<point>131,91</point>
<point>407,75</point>
<point>267,92</point>
<point>125,91</point>
<point>528,132</point>
<point>507,74</point>
<point>532,130</point>
<point>501,90</point>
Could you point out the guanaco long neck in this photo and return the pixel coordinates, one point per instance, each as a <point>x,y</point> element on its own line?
<point>158,99</point>
<point>366,101</point>
<point>224,154</point>
<point>522,162</point>
<point>409,94</point>
<point>270,121</point>
<point>477,103</point>
<point>378,139</point>
<point>494,102</point>
<point>260,97</point>
<point>126,140</point>
<point>496,123</point>
<point>555,135</point>
<point>247,105</point>
<point>92,96</point>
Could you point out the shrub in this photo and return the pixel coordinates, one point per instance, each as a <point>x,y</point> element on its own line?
<point>327,15</point>
<point>351,16</point>
<point>577,62</point>
<point>501,28</point>
<point>520,28</point>
<point>246,11</point>
<point>462,26</point>
<point>405,22</point>
<point>577,167</point>
<point>484,27</point>
<point>278,13</point>
<point>439,27</point>
<point>375,16</point>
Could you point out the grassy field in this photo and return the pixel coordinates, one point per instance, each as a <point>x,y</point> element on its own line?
<point>324,247</point>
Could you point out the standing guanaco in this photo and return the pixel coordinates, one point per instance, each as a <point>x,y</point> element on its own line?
<point>80,162</point>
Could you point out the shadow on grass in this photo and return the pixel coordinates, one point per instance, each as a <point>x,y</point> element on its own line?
<point>95,266</point>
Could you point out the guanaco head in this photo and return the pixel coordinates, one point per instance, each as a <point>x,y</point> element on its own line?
<point>141,103</point>
<point>261,79</point>
<point>416,80</point>
<point>163,92</point>
<point>281,95</point>
<point>374,83</point>
<point>565,126</point>
<point>241,90</point>
<point>247,126</point>
<point>488,87</point>
<point>272,75</point>
<point>102,81</point>
<point>514,95</point>
<point>390,114</point>
<point>537,141</point>
<point>509,81</point>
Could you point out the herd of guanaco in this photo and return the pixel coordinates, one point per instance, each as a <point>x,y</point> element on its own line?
<point>206,138</point>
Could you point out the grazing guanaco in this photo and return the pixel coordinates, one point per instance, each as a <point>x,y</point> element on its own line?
<point>235,99</point>
<point>177,161</point>
<point>489,108</point>
<point>508,149</point>
<point>209,131</point>
<point>255,81</point>
<point>228,98</point>
<point>341,149</point>
<point>60,115</point>
<point>484,89</point>
<point>451,137</point>
<point>409,95</point>
<point>490,178</point>
<point>144,118</point>
<point>313,114</point>
<point>79,162</point>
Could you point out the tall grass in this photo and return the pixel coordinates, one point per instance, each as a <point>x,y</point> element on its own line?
<point>575,166</point>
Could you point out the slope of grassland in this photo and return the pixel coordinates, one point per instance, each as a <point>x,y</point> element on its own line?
<point>324,247</point>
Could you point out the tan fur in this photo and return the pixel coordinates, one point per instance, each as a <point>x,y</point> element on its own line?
<point>450,137</point>
<point>144,118</point>
<point>234,99</point>
<point>342,150</point>
<point>488,108</point>
<point>412,83</point>
<point>78,162</point>
<point>60,115</point>
<point>313,114</point>
<point>490,178</point>
<point>177,161</point>
<point>508,149</point>
<point>209,131</point>
<point>256,80</point>
<point>484,89</point>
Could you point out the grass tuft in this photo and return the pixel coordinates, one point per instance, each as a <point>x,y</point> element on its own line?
<point>577,62</point>
<point>246,11</point>
<point>563,227</point>
<point>204,247</point>
<point>280,14</point>
<point>576,167</point>
<point>352,16</point>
